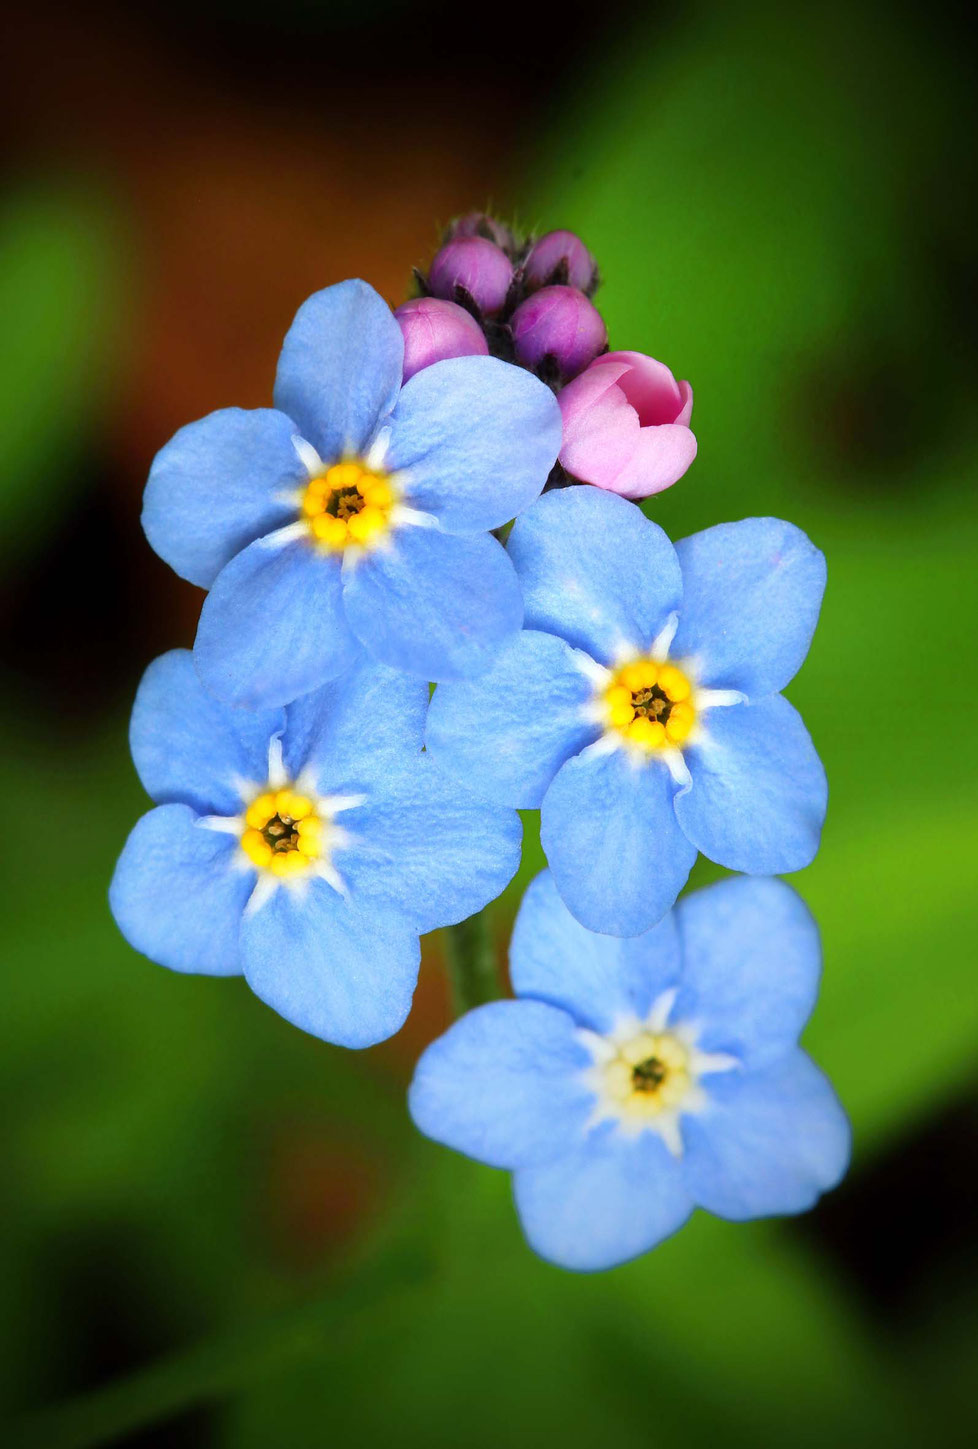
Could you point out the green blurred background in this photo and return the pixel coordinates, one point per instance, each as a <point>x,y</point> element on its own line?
<point>220,1232</point>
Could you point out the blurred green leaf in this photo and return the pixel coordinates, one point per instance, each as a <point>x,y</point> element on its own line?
<point>60,288</point>
<point>725,1332</point>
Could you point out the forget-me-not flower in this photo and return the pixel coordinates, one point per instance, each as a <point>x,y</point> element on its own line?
<point>307,848</point>
<point>633,1080</point>
<point>639,708</point>
<point>354,513</point>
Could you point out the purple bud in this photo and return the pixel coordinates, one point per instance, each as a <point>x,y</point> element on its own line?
<point>560,256</point>
<point>476,264</point>
<point>562,323</point>
<point>479,223</point>
<point>434,330</point>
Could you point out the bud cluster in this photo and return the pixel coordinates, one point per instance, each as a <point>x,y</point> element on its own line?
<point>530,298</point>
<point>529,301</point>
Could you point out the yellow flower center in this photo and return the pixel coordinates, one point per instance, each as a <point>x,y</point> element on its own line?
<point>283,833</point>
<point>649,1074</point>
<point>348,504</point>
<point>650,704</point>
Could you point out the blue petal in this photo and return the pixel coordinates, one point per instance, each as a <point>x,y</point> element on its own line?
<point>342,974</point>
<point>751,595</point>
<point>598,979</point>
<point>613,1198</point>
<point>504,1085</point>
<point>751,967</point>
<point>189,747</point>
<point>421,843</point>
<point>507,733</point>
<point>759,792</point>
<point>434,604</point>
<point>214,487</point>
<point>430,849</point>
<point>359,732</point>
<point>618,856</point>
<point>595,571</point>
<point>272,627</point>
<point>177,893</point>
<point>768,1142</point>
<point>476,439</point>
<point>339,372</point>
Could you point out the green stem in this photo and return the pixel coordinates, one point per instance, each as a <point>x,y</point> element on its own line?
<point>471,959</point>
<point>218,1368</point>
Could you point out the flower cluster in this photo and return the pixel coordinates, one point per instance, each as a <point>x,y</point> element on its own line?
<point>444,494</point>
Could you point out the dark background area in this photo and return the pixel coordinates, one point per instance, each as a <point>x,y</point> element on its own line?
<point>236,1223</point>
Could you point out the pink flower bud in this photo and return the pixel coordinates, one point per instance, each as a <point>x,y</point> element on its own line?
<point>479,223</point>
<point>626,425</point>
<point>434,330</point>
<point>560,257</point>
<point>478,266</point>
<point>561,323</point>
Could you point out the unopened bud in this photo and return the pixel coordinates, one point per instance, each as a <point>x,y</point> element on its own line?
<point>479,223</point>
<point>559,323</point>
<point>478,267</point>
<point>560,257</point>
<point>433,330</point>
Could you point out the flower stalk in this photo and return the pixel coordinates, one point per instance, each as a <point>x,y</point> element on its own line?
<point>471,961</point>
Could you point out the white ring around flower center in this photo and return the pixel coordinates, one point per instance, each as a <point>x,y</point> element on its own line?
<point>329,837</point>
<point>646,1074</point>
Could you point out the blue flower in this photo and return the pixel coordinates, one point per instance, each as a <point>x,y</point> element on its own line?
<point>633,1080</point>
<point>307,848</point>
<point>354,513</point>
<point>639,708</point>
